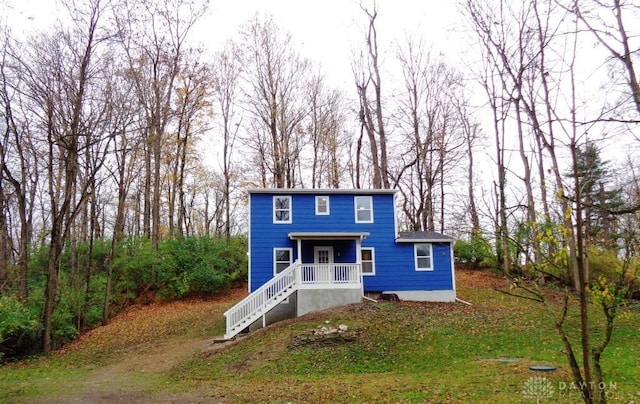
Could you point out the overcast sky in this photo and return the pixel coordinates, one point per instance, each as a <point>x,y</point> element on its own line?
<point>327,31</point>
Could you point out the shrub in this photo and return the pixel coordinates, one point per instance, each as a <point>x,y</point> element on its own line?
<point>203,278</point>
<point>607,264</point>
<point>477,252</point>
<point>19,328</point>
<point>180,266</point>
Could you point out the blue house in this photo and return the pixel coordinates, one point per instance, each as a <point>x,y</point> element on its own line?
<point>311,249</point>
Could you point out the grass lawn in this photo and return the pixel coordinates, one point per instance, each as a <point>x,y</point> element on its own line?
<point>396,352</point>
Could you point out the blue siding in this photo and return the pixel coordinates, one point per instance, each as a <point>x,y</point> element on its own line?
<point>395,268</point>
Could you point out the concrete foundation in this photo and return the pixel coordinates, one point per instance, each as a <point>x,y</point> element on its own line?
<point>305,301</point>
<point>424,295</point>
<point>319,299</point>
<point>283,311</point>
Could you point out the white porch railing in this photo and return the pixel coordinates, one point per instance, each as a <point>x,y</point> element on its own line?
<point>294,277</point>
<point>330,275</point>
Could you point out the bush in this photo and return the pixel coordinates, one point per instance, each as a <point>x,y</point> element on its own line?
<point>181,266</point>
<point>607,264</point>
<point>477,252</point>
<point>19,329</point>
<point>205,279</point>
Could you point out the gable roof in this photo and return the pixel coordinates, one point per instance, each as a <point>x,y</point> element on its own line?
<point>422,237</point>
<point>319,191</point>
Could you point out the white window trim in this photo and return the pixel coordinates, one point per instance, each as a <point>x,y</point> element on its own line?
<point>355,208</point>
<point>373,261</point>
<point>273,207</point>
<point>415,256</point>
<point>328,206</point>
<point>275,249</point>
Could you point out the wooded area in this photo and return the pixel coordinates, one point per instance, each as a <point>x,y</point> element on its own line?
<point>523,151</point>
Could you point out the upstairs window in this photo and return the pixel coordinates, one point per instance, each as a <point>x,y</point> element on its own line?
<point>322,205</point>
<point>364,209</point>
<point>367,260</point>
<point>424,257</point>
<point>281,209</point>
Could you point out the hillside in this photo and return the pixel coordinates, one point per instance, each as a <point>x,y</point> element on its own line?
<point>395,352</point>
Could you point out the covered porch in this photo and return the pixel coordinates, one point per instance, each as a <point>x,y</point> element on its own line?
<point>329,260</point>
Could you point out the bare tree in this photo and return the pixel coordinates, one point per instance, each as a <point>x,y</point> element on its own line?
<point>225,94</point>
<point>369,87</point>
<point>192,106</point>
<point>153,36</point>
<point>609,21</point>
<point>18,167</point>
<point>276,79</point>
<point>59,72</point>
<point>427,114</point>
<point>325,129</point>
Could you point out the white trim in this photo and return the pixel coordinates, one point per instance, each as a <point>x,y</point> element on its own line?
<point>395,219</point>
<point>415,257</point>
<point>276,262</point>
<point>373,261</point>
<point>273,208</point>
<point>328,211</point>
<point>453,270</point>
<point>355,208</point>
<point>424,295</point>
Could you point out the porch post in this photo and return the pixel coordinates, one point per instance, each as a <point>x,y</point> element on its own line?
<point>299,261</point>
<point>359,262</point>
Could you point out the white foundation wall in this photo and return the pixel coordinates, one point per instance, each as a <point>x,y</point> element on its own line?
<point>424,295</point>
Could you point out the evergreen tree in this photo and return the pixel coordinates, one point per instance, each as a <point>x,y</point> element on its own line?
<point>599,196</point>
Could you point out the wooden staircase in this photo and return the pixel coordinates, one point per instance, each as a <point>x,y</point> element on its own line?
<point>258,303</point>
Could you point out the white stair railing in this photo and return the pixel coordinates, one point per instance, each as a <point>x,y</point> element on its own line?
<point>263,299</point>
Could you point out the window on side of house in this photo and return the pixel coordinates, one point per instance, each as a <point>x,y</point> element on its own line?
<point>281,209</point>
<point>322,205</point>
<point>364,209</point>
<point>367,259</point>
<point>282,258</point>
<point>424,257</point>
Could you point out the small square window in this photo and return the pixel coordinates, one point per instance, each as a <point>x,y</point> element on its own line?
<point>322,205</point>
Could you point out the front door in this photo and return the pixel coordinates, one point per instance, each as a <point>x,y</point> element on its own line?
<point>322,259</point>
<point>322,255</point>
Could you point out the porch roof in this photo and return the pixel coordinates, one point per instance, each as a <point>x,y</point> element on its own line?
<point>327,235</point>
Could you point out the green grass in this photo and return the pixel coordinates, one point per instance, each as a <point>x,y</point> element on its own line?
<point>403,352</point>
<point>412,353</point>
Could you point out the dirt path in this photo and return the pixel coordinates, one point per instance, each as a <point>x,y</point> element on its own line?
<point>147,346</point>
<point>113,384</point>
